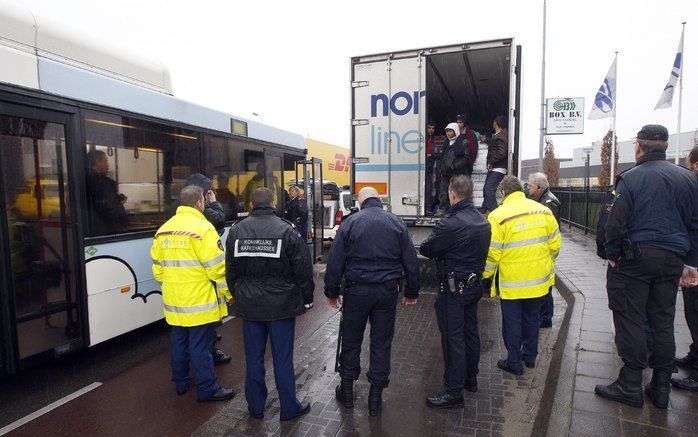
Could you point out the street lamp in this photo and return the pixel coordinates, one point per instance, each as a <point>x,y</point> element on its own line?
<point>587,151</point>
<point>260,117</point>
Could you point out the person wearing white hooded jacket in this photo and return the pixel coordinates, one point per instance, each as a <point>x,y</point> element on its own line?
<point>454,161</point>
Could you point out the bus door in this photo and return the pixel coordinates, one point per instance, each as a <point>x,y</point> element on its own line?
<point>273,164</point>
<point>310,172</point>
<point>39,310</point>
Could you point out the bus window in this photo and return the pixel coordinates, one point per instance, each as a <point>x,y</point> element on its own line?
<point>134,170</point>
<point>236,168</point>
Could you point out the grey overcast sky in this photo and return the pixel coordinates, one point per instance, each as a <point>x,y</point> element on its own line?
<point>289,60</point>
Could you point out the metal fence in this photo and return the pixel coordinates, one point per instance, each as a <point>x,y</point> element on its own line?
<point>580,206</point>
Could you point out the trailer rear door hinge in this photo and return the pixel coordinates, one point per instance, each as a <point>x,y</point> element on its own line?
<point>359,83</point>
<point>359,121</point>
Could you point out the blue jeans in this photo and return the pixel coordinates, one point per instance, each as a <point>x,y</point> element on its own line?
<point>281,335</point>
<point>489,191</point>
<point>520,325</point>
<point>193,344</point>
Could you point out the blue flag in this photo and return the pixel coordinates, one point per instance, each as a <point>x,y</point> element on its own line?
<point>665,100</point>
<point>605,100</point>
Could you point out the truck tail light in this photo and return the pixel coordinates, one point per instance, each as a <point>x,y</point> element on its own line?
<point>338,217</point>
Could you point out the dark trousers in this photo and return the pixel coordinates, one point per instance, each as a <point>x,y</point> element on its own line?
<point>520,325</point>
<point>644,292</point>
<point>690,306</point>
<point>547,307</point>
<point>443,192</point>
<point>462,339</point>
<point>375,303</point>
<point>281,335</point>
<point>489,191</point>
<point>193,345</point>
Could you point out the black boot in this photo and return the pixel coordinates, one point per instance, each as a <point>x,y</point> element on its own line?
<point>627,389</point>
<point>445,400</point>
<point>689,384</point>
<point>659,388</point>
<point>686,362</point>
<point>375,400</point>
<point>344,393</point>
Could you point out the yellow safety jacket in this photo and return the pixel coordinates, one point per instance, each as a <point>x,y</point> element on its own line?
<point>188,259</point>
<point>524,245</point>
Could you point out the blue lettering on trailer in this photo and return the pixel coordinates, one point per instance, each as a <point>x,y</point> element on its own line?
<point>401,103</point>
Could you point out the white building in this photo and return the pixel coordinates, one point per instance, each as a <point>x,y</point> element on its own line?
<point>572,172</point>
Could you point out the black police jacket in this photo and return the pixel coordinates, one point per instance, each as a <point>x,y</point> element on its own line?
<point>212,211</point>
<point>297,213</point>
<point>372,246</point>
<point>268,268</point>
<point>604,212</point>
<point>656,203</point>
<point>461,239</point>
<point>550,200</point>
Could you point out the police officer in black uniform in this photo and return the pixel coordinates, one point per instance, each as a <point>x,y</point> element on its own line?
<point>459,244</point>
<point>651,241</point>
<point>539,190</point>
<point>373,251</point>
<point>270,276</point>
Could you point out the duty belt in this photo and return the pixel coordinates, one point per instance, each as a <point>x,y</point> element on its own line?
<point>458,286</point>
<point>388,284</point>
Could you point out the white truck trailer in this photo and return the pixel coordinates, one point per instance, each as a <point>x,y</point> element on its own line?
<point>395,95</point>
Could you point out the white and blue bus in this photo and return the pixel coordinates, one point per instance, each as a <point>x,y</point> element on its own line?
<point>67,283</point>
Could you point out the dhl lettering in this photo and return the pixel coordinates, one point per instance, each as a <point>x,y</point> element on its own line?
<point>341,164</point>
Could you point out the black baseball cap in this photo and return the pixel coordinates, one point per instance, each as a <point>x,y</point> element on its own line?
<point>654,132</point>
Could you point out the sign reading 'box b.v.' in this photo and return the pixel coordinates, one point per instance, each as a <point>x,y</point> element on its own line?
<point>564,116</point>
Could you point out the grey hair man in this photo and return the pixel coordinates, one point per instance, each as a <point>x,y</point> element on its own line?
<point>539,190</point>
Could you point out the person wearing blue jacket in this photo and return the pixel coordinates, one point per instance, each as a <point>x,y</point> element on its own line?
<point>651,242</point>
<point>371,253</point>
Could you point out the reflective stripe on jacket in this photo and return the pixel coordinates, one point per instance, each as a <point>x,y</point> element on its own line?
<point>188,259</point>
<point>525,242</point>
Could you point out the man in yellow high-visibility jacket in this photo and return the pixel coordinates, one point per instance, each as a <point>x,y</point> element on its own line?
<point>521,261</point>
<point>188,259</point>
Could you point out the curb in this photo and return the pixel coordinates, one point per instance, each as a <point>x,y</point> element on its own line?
<point>554,414</point>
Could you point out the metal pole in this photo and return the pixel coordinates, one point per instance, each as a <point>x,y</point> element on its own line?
<point>586,196</point>
<point>678,125</point>
<point>542,95</point>
<point>613,139</point>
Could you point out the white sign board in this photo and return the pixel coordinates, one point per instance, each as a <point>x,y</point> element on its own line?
<point>564,116</point>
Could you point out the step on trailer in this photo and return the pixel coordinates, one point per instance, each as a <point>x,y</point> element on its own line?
<point>395,95</point>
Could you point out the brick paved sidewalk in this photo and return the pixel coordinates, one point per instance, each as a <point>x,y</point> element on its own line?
<point>504,404</point>
<point>589,358</point>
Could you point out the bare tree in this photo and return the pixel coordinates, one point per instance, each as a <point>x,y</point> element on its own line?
<point>550,165</point>
<point>605,175</point>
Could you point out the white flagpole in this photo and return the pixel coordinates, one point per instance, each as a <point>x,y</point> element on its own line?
<point>613,139</point>
<point>542,96</point>
<point>678,124</point>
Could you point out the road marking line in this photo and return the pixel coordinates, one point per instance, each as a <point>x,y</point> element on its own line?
<point>40,412</point>
<point>227,319</point>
